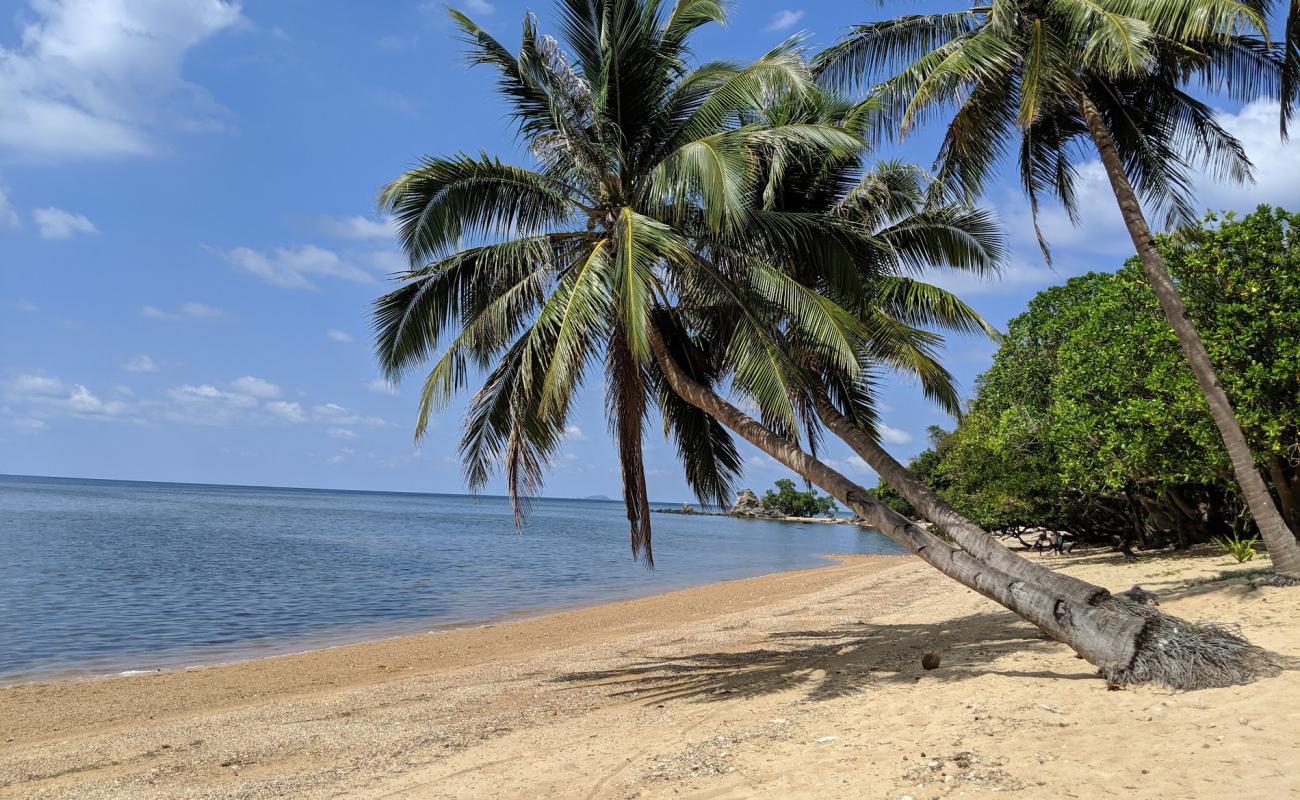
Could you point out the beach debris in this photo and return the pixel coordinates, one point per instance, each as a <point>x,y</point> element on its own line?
<point>710,757</point>
<point>827,739</point>
<point>963,767</point>
<point>930,660</point>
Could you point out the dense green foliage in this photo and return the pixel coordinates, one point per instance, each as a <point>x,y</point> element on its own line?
<point>788,501</point>
<point>1090,420</point>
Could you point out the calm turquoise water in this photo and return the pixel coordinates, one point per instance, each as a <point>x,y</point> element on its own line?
<point>108,576</point>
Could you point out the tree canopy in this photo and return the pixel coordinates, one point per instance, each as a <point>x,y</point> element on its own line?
<point>1090,420</point>
<point>789,501</point>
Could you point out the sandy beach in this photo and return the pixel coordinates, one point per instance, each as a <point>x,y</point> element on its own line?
<point>796,685</point>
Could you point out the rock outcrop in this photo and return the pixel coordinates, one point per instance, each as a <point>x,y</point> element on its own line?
<point>748,505</point>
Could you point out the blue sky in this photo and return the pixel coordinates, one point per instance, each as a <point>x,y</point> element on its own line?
<point>188,246</point>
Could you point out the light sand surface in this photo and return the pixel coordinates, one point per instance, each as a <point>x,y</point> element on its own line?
<point>796,685</point>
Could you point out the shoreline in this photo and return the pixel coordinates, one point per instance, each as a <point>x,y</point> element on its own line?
<point>402,651</point>
<point>284,646</point>
<point>800,684</point>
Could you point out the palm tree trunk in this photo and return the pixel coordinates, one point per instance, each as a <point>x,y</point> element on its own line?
<point>1281,542</point>
<point>971,537</point>
<point>1127,648</point>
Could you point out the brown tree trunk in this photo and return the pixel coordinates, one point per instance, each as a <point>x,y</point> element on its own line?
<point>1286,491</point>
<point>1281,542</point>
<point>1104,638</point>
<point>1127,648</point>
<point>971,537</point>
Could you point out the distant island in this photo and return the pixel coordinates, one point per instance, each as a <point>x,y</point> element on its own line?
<point>597,497</point>
<point>786,504</point>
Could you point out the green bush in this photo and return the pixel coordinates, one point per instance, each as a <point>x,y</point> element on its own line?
<point>1241,549</point>
<point>790,502</point>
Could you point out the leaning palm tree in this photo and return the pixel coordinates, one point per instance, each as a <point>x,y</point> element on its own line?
<point>901,313</point>
<point>634,242</point>
<point>1055,74</point>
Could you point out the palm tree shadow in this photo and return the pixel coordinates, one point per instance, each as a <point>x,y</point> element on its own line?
<point>827,664</point>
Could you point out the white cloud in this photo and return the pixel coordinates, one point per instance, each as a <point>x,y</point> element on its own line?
<point>1277,163</point>
<point>36,384</point>
<point>358,227</point>
<point>331,410</point>
<point>382,386</point>
<point>574,434</point>
<point>255,387</point>
<point>8,215</point>
<point>386,261</point>
<point>783,19</point>
<point>1101,230</point>
<point>93,78</point>
<point>338,335</point>
<point>190,310</point>
<point>852,466</point>
<point>204,404</point>
<point>141,363</point>
<point>44,396</point>
<point>25,306</point>
<point>55,223</point>
<point>290,267</point>
<point>288,411</point>
<point>892,435</point>
<point>762,461</point>
<point>37,396</point>
<point>207,391</point>
<point>1016,277</point>
<point>337,415</point>
<point>82,401</point>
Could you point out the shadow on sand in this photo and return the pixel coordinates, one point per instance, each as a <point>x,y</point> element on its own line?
<point>827,664</point>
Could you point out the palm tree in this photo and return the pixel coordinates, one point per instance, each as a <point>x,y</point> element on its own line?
<point>635,242</point>
<point>891,204</point>
<point>1289,87</point>
<point>1111,73</point>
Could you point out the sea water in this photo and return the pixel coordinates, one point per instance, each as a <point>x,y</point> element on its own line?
<point>113,576</point>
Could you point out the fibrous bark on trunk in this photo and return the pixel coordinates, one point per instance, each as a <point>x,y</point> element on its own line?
<point>1281,542</point>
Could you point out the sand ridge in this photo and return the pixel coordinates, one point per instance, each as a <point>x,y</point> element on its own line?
<point>799,684</point>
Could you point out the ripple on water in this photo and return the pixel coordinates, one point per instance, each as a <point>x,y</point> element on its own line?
<point>113,576</point>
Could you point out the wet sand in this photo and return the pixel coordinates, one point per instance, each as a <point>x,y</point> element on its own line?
<point>798,684</point>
